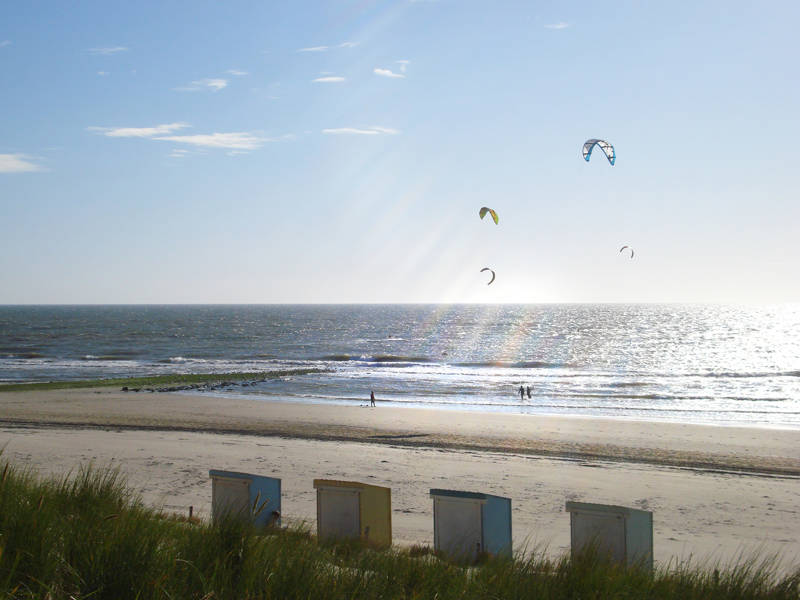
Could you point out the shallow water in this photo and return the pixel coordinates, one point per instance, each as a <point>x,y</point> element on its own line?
<point>688,363</point>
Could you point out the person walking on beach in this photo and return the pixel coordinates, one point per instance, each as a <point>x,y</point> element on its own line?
<point>372,398</point>
<point>528,389</point>
<point>521,393</point>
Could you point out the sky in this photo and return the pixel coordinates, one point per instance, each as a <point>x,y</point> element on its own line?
<point>337,152</point>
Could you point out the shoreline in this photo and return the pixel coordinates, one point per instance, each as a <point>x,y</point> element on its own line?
<point>709,447</point>
<point>382,402</point>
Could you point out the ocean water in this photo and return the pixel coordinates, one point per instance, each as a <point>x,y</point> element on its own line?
<point>715,364</point>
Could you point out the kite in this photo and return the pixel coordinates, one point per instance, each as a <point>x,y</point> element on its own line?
<point>490,271</point>
<point>629,248</point>
<point>482,212</point>
<point>607,148</point>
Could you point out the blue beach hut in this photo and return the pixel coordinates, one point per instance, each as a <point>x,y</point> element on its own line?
<point>466,524</point>
<point>253,496</point>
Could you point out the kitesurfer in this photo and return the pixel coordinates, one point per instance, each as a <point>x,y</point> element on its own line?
<point>521,393</point>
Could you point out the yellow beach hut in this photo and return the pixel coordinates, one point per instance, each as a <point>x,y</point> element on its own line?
<point>349,509</point>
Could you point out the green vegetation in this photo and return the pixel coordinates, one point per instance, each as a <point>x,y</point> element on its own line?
<point>88,536</point>
<point>177,379</point>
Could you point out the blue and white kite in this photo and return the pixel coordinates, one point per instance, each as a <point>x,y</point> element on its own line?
<point>604,146</point>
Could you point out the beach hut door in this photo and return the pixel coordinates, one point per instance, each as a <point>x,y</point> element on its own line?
<point>229,496</point>
<point>339,513</point>
<point>458,527</point>
<point>605,532</point>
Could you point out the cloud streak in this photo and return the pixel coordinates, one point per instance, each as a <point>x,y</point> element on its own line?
<point>108,51</point>
<point>17,163</point>
<point>358,131</point>
<point>215,84</point>
<point>559,25</point>
<point>5,43</point>
<point>138,132</point>
<point>326,48</point>
<point>237,140</point>
<point>240,141</point>
<point>329,80</point>
<point>237,72</point>
<point>388,73</point>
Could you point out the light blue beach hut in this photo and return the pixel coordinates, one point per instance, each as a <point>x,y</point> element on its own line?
<point>466,524</point>
<point>623,534</point>
<point>252,496</point>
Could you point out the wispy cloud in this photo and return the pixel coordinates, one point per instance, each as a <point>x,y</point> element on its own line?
<point>139,132</point>
<point>17,163</point>
<point>357,131</point>
<point>329,79</point>
<point>237,140</point>
<point>215,84</point>
<point>388,73</point>
<point>5,43</point>
<point>559,25</point>
<point>107,51</point>
<point>102,73</point>
<point>403,64</point>
<point>237,72</point>
<point>326,48</point>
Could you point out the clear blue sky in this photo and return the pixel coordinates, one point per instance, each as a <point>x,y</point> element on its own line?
<point>339,151</point>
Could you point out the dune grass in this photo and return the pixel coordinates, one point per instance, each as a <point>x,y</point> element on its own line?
<point>175,379</point>
<point>88,535</point>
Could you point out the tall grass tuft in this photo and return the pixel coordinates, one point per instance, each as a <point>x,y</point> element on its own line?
<point>87,535</point>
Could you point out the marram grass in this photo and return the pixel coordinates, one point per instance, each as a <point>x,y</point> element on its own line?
<point>88,536</point>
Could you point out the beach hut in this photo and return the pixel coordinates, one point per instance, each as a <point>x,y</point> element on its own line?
<point>254,496</point>
<point>348,509</point>
<point>466,524</point>
<point>624,534</point>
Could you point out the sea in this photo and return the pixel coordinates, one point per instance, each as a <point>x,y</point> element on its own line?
<point>723,365</point>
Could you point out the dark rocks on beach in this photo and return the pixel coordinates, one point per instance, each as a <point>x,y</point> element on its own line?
<point>208,387</point>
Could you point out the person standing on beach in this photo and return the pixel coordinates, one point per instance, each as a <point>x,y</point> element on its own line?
<point>521,393</point>
<point>372,398</point>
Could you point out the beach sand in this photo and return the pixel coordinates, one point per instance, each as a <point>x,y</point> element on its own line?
<point>715,492</point>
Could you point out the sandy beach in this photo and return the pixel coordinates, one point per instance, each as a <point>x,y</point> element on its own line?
<point>715,492</point>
